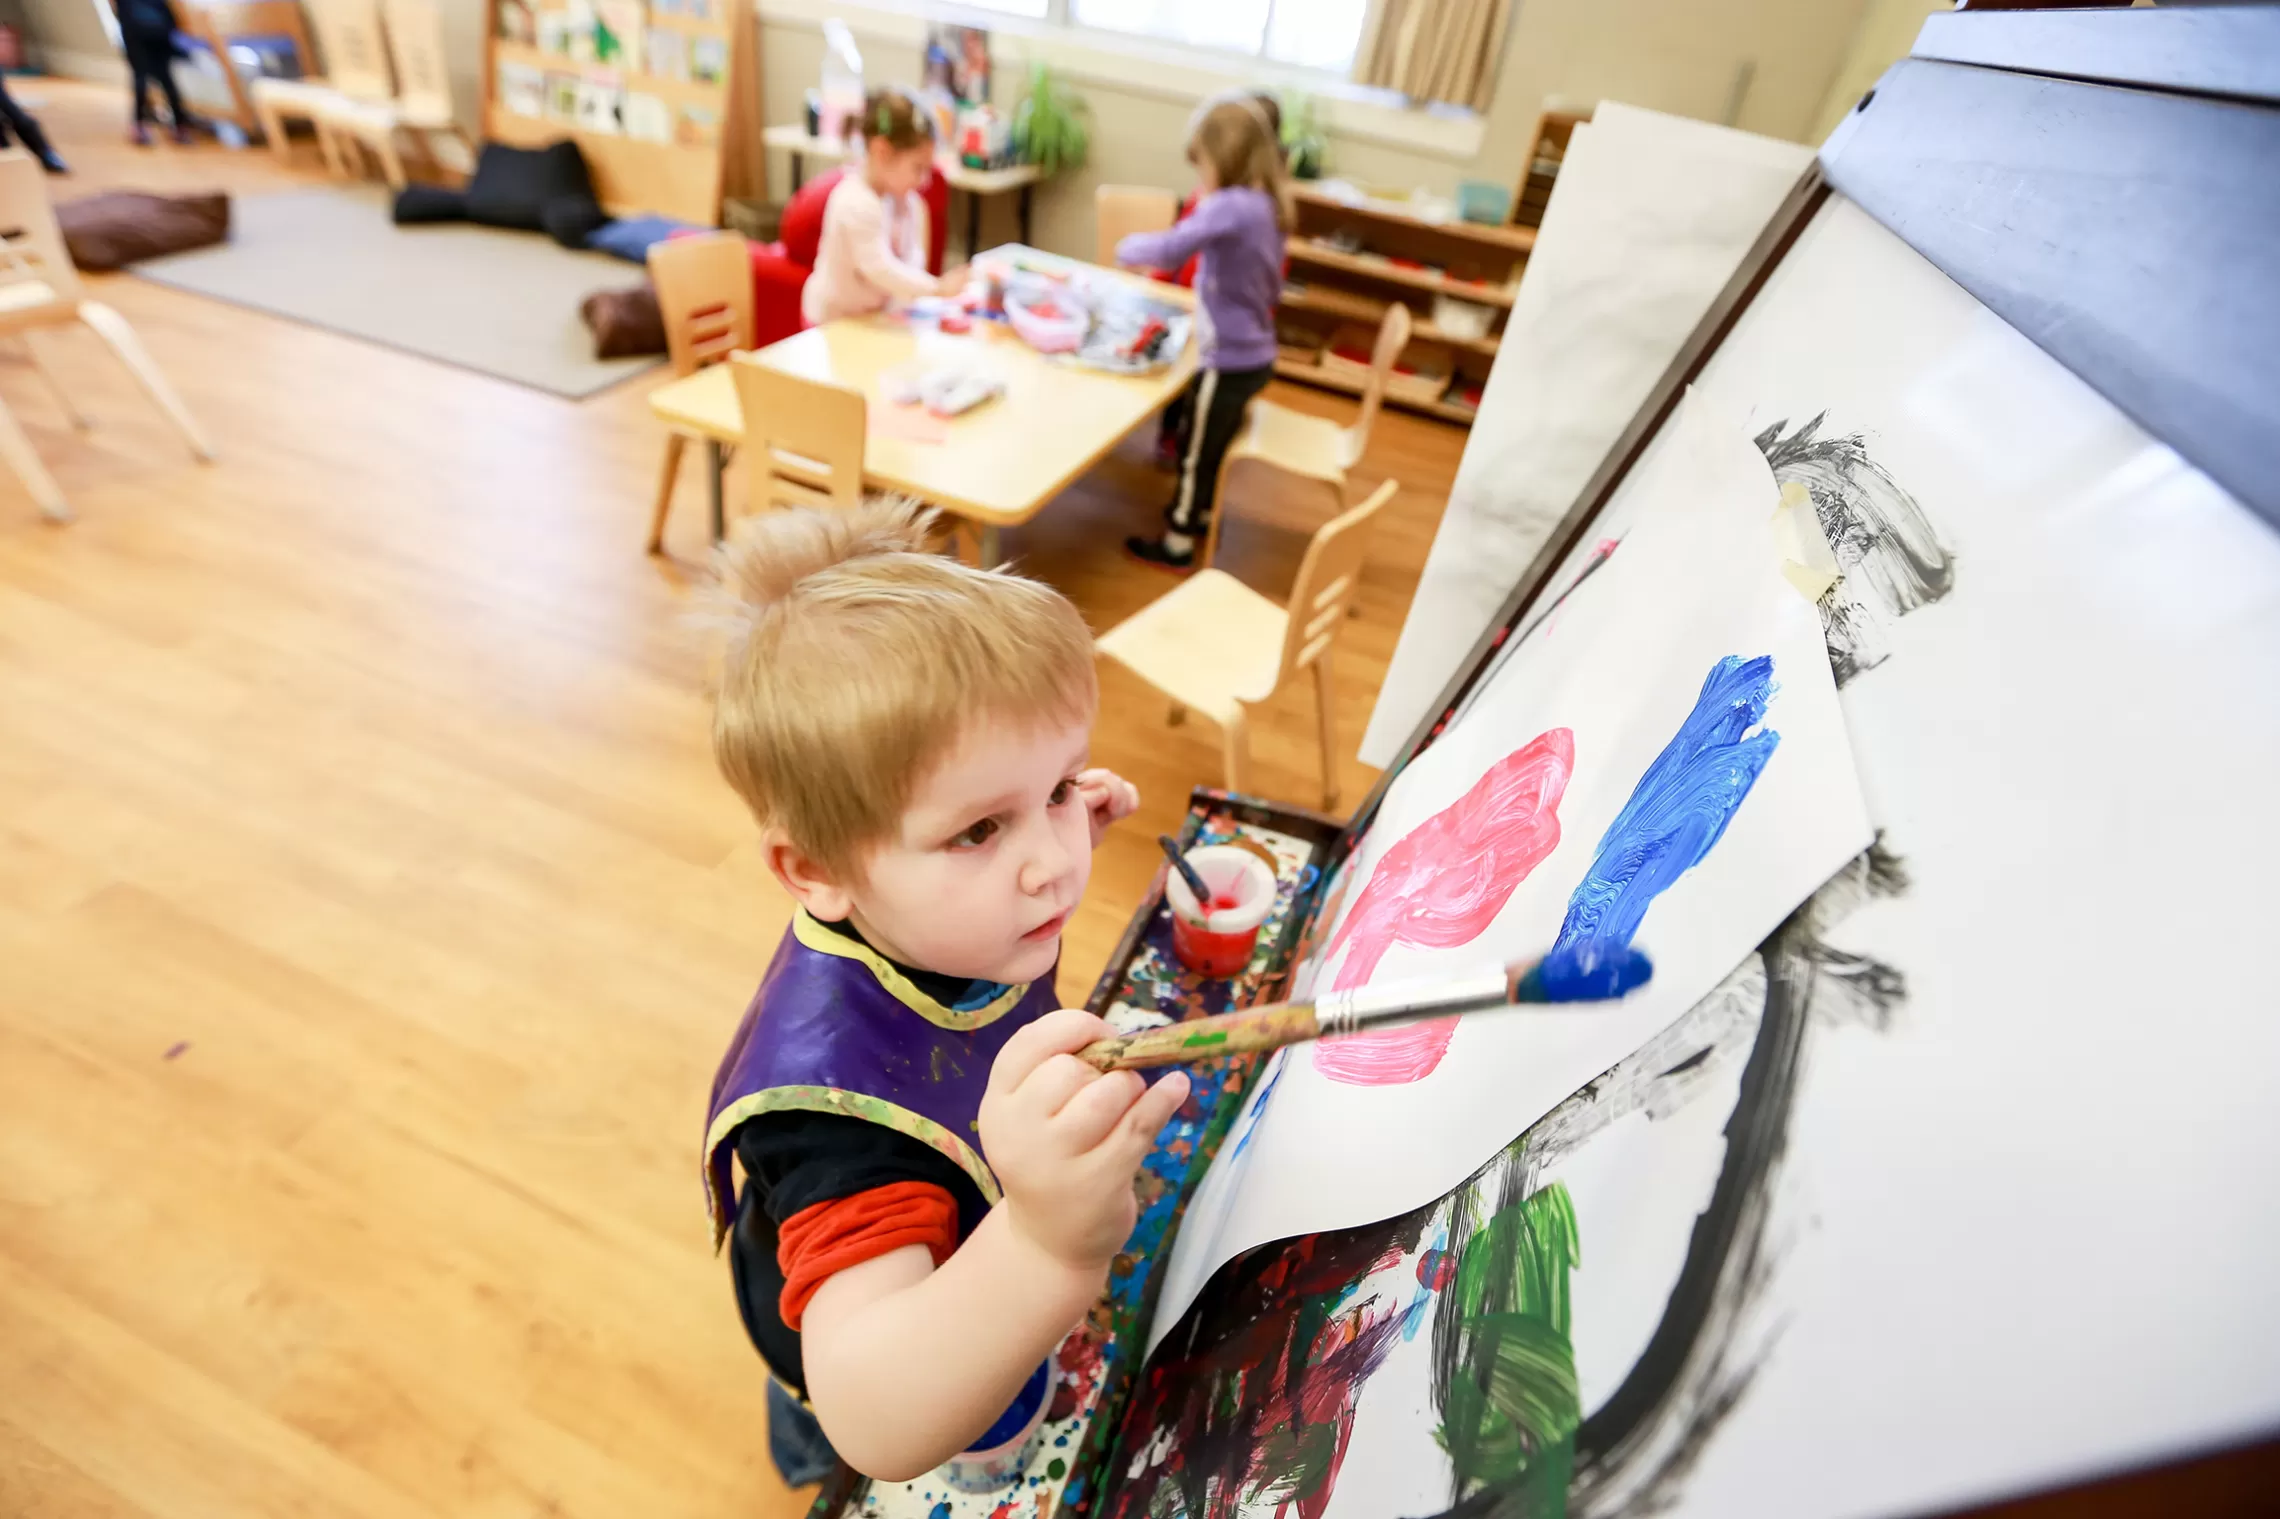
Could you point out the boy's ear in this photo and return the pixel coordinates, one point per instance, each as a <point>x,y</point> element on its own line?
<point>810,885</point>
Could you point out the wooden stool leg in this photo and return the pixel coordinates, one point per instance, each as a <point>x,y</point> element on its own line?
<point>1325,706</point>
<point>391,163</point>
<point>62,396</point>
<point>674,443</point>
<point>273,128</point>
<point>1235,748</point>
<point>112,328</point>
<point>1218,508</point>
<point>17,451</point>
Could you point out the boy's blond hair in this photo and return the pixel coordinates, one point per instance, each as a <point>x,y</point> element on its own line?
<point>857,660</point>
<point>1231,132</point>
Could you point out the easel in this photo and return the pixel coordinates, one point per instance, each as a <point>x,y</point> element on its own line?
<point>714,125</point>
<point>1926,150</point>
<point>217,22</point>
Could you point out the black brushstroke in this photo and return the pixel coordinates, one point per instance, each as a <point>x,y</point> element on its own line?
<point>1890,554</point>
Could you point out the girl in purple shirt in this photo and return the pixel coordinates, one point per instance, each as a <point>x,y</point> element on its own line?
<point>1237,229</point>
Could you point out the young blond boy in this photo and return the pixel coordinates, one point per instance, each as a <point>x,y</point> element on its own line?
<point>934,1184</point>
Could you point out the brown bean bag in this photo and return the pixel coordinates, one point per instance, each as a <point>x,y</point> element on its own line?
<point>117,227</point>
<point>625,323</point>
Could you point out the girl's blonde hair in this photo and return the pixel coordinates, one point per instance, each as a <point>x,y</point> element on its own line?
<point>892,115</point>
<point>1231,133</point>
<point>857,659</point>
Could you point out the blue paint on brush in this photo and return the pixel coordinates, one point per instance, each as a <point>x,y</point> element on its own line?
<point>1585,972</point>
<point>1676,815</point>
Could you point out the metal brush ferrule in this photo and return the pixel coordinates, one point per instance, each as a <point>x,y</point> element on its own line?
<point>1359,1009</point>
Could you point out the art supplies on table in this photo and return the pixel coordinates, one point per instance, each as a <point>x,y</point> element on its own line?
<point>1091,317</point>
<point>947,389</point>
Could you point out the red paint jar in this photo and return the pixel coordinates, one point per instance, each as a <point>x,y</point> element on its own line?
<point>1218,938</point>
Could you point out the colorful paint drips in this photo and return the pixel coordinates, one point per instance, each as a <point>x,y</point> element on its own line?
<point>1439,887</point>
<point>1680,808</point>
<point>1255,1415</point>
<point>1504,1377</point>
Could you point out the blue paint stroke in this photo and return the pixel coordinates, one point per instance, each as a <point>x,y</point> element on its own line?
<point>1678,811</point>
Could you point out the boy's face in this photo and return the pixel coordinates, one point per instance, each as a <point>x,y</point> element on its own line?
<point>993,854</point>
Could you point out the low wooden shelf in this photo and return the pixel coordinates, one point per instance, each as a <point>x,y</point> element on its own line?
<point>1387,252</point>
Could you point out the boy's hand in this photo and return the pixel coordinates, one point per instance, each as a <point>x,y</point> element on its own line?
<point>1066,1140</point>
<point>1108,798</point>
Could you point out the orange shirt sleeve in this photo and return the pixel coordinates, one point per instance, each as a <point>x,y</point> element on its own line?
<point>819,1241</point>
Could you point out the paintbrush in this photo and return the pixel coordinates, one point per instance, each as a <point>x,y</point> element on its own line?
<point>1187,872</point>
<point>1580,974</point>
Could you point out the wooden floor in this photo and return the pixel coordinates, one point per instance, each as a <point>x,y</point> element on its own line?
<point>371,918</point>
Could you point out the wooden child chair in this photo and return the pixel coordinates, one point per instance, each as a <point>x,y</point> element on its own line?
<point>803,439</point>
<point>1218,646</point>
<point>1121,210</point>
<point>1314,448</point>
<point>40,288</point>
<point>421,104</point>
<point>356,72</point>
<point>704,295</point>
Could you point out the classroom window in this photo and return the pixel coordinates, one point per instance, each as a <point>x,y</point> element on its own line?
<point>1314,34</point>
<point>1035,10</point>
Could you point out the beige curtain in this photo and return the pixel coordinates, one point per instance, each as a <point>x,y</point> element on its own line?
<point>1436,49</point>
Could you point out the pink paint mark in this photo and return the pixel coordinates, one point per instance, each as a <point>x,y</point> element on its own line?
<point>1440,887</point>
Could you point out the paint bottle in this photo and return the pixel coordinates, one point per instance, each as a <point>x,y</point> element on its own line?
<point>1002,1454</point>
<point>1217,938</point>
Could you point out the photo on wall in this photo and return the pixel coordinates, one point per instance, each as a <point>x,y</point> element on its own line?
<point>647,117</point>
<point>522,89</point>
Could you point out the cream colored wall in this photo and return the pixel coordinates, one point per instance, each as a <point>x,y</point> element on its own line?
<point>70,35</point>
<point>1887,31</point>
<point>1681,56</point>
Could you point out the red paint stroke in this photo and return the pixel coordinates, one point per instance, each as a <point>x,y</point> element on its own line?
<point>1439,887</point>
<point>1436,1268</point>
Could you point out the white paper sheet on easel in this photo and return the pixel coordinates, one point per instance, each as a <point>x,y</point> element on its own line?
<point>1620,673</point>
<point>1650,218</point>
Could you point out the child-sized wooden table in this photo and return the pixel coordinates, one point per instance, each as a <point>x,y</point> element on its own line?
<point>997,465</point>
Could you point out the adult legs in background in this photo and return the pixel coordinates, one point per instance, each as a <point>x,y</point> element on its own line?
<point>15,120</point>
<point>1221,398</point>
<point>151,64</point>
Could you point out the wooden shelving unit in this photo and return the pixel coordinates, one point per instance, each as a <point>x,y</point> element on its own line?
<point>1540,170</point>
<point>1350,258</point>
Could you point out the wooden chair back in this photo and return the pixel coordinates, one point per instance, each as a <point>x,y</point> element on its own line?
<point>356,51</point>
<point>1121,210</point>
<point>803,439</point>
<point>423,77</point>
<point>36,272</point>
<point>1393,336</point>
<point>705,296</point>
<point>1328,577</point>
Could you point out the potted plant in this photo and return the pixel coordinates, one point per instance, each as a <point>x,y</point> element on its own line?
<point>1049,124</point>
<point>1303,143</point>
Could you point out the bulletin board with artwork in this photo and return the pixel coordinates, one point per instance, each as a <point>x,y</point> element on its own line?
<point>1906,682</point>
<point>658,94</point>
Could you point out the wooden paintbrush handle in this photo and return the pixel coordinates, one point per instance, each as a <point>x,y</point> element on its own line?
<point>1262,1028</point>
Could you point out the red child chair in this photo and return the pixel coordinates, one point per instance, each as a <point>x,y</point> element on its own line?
<point>780,269</point>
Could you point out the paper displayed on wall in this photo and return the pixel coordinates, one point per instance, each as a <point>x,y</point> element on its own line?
<point>697,126</point>
<point>667,55</point>
<point>1651,216</point>
<point>522,89</point>
<point>1661,765</point>
<point>708,59</point>
<point>599,98</point>
<point>618,33</point>
<point>648,118</point>
<point>562,95</point>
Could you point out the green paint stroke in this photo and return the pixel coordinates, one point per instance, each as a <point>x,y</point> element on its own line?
<point>1509,1404</point>
<point>1203,1037</point>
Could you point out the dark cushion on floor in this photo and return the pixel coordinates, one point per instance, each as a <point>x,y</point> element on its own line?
<point>429,203</point>
<point>624,322</point>
<point>570,221</point>
<point>512,187</point>
<point>119,226</point>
